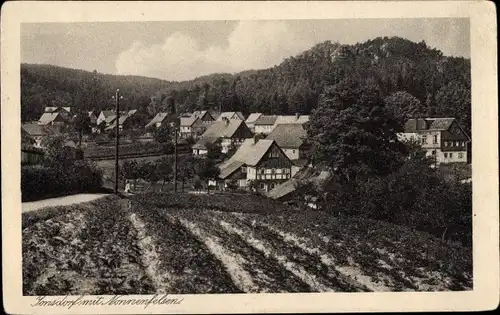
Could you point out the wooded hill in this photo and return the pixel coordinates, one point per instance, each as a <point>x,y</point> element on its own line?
<point>440,85</point>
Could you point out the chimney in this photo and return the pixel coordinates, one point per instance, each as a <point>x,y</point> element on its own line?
<point>255,139</point>
<point>297,115</point>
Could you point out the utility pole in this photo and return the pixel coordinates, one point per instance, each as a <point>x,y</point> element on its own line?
<point>117,134</point>
<point>175,157</point>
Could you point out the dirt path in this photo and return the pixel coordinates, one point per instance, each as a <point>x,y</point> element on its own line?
<point>60,201</point>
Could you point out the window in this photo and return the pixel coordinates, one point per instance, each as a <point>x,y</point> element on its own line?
<point>446,143</point>
<point>451,155</point>
<point>293,151</point>
<point>460,155</point>
<point>262,186</point>
<point>243,169</point>
<point>269,171</point>
<point>435,139</point>
<point>424,139</point>
<point>279,171</point>
<point>271,186</point>
<point>445,155</point>
<point>287,170</point>
<point>433,152</point>
<point>456,143</point>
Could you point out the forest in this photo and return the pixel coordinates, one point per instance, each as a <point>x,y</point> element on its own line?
<point>413,79</point>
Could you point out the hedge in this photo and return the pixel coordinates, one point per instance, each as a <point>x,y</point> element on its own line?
<point>39,182</point>
<point>128,149</point>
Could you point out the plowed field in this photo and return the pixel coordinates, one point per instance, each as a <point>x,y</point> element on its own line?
<point>118,246</point>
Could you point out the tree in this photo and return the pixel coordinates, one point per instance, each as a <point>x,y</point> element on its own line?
<point>213,150</point>
<point>81,125</point>
<point>352,133</point>
<point>164,169</point>
<point>232,184</point>
<point>186,168</point>
<point>403,106</point>
<point>207,170</point>
<point>454,100</point>
<point>162,134</point>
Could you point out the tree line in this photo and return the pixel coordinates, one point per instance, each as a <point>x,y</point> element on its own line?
<point>416,79</point>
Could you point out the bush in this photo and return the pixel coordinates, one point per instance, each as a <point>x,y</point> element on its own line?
<point>128,149</point>
<point>414,196</point>
<point>38,182</point>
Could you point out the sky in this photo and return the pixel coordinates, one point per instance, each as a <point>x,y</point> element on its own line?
<point>179,51</point>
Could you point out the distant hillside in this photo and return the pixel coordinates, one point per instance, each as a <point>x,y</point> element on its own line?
<point>442,84</point>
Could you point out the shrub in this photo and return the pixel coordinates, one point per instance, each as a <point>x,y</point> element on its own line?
<point>39,182</point>
<point>414,196</point>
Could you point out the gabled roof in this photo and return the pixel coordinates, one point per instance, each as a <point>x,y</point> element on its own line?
<point>266,120</point>
<point>121,120</point>
<point>253,117</point>
<point>157,119</point>
<point>34,129</point>
<point>249,153</point>
<point>47,118</point>
<point>229,115</point>
<point>188,121</point>
<point>107,113</point>
<point>307,174</point>
<point>202,143</point>
<point>430,124</point>
<point>110,119</point>
<point>288,135</point>
<point>132,112</point>
<point>222,129</point>
<point>51,109</point>
<point>292,119</point>
<point>201,113</point>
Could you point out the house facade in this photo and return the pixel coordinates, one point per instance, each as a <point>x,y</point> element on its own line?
<point>261,161</point>
<point>264,124</point>
<point>53,119</point>
<point>291,139</point>
<point>251,119</point>
<point>443,139</point>
<point>227,132</point>
<point>195,124</point>
<point>65,112</point>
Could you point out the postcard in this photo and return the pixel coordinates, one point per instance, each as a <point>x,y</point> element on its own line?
<point>249,157</point>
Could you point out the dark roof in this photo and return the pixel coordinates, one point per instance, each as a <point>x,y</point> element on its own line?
<point>266,120</point>
<point>430,124</point>
<point>288,135</point>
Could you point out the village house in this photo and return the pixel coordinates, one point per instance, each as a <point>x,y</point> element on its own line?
<point>106,117</point>
<point>265,124</point>
<point>65,111</point>
<point>93,117</point>
<point>291,139</point>
<point>443,139</point>
<point>53,119</point>
<point>157,121</point>
<point>288,193</point>
<point>124,122</point>
<point>228,132</point>
<point>231,116</point>
<point>250,121</point>
<point>35,132</point>
<point>291,119</point>
<point>256,160</point>
<point>195,124</point>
